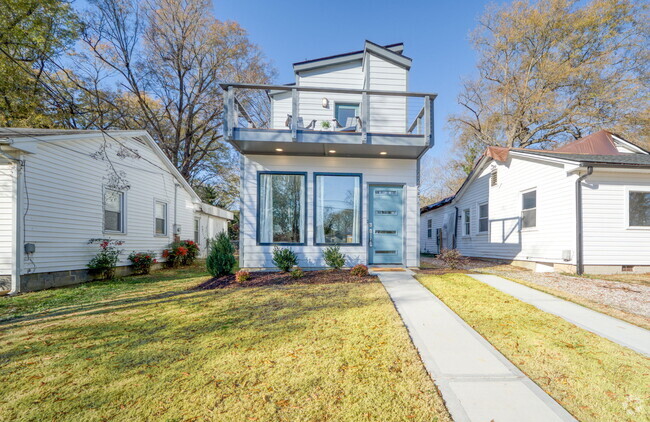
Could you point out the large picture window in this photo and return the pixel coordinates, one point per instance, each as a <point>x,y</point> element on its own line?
<point>113,210</point>
<point>338,209</point>
<point>639,209</point>
<point>281,208</point>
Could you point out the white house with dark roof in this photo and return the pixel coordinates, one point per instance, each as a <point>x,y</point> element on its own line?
<point>61,188</point>
<point>337,163</point>
<point>581,208</point>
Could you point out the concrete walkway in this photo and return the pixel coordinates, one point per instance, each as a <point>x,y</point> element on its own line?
<point>621,332</point>
<point>476,381</point>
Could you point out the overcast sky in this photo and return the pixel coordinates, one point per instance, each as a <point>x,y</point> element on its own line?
<point>435,34</point>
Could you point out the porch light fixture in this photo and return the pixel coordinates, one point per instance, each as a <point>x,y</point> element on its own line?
<point>325,102</point>
<point>332,151</point>
<point>383,153</point>
<point>278,149</point>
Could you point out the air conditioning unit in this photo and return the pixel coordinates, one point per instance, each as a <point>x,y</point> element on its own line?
<point>177,229</point>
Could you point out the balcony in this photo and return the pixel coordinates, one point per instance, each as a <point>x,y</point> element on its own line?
<point>259,119</point>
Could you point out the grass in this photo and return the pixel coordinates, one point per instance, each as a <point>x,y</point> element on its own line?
<point>593,378</point>
<point>148,348</point>
<point>632,278</point>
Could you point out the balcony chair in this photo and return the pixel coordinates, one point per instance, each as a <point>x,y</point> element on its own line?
<point>352,124</point>
<point>301,123</point>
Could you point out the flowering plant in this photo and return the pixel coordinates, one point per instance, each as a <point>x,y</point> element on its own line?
<point>192,251</point>
<point>181,253</point>
<point>142,262</point>
<point>103,264</point>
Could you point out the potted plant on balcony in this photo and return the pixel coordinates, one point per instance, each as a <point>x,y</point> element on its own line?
<point>325,124</point>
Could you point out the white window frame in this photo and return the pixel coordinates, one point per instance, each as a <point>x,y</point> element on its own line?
<point>166,233</point>
<point>467,222</point>
<point>429,228</point>
<point>197,230</point>
<point>122,211</point>
<point>626,201</point>
<point>478,218</point>
<point>521,210</point>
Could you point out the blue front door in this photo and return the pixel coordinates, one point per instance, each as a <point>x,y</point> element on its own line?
<point>385,224</point>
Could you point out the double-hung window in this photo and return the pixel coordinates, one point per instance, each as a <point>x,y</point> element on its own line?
<point>467,220</point>
<point>529,209</point>
<point>281,201</point>
<point>197,230</point>
<point>160,218</point>
<point>113,210</point>
<point>429,229</point>
<point>337,207</point>
<point>483,221</point>
<point>639,208</point>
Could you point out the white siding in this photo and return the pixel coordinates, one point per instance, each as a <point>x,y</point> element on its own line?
<point>373,170</point>
<point>6,217</point>
<point>555,230</point>
<point>429,245</point>
<point>607,239</point>
<point>65,203</point>
<point>387,114</point>
<point>209,227</point>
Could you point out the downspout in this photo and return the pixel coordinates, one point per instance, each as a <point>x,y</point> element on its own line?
<point>455,228</point>
<point>579,232</point>
<point>176,236</point>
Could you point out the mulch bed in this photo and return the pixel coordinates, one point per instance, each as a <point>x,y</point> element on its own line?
<point>270,278</point>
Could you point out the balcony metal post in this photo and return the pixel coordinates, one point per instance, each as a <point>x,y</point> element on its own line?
<point>295,114</point>
<point>365,117</point>
<point>228,112</point>
<point>428,120</point>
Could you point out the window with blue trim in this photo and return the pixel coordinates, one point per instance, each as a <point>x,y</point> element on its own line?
<point>338,209</point>
<point>281,208</point>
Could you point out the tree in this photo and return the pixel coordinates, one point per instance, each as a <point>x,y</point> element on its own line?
<point>168,57</point>
<point>32,34</point>
<point>552,71</point>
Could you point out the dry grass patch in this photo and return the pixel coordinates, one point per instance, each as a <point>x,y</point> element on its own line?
<point>164,352</point>
<point>593,378</point>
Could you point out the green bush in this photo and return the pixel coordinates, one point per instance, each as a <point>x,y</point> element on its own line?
<point>333,257</point>
<point>221,258</point>
<point>142,262</point>
<point>297,273</point>
<point>359,270</point>
<point>104,263</point>
<point>284,258</point>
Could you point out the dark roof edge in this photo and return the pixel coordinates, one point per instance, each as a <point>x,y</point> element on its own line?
<point>436,205</point>
<point>336,56</point>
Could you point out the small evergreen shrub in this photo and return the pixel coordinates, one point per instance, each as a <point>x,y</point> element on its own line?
<point>242,275</point>
<point>452,258</point>
<point>221,257</point>
<point>142,262</point>
<point>333,257</point>
<point>284,258</point>
<point>297,272</point>
<point>359,270</point>
<point>104,263</point>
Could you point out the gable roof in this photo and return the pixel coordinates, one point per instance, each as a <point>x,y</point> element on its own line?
<point>18,136</point>
<point>598,143</point>
<point>391,52</point>
<point>616,160</point>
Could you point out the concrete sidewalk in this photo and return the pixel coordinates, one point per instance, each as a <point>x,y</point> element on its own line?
<point>621,332</point>
<point>476,381</point>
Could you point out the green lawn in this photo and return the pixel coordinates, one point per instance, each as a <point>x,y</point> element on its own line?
<point>148,348</point>
<point>593,378</point>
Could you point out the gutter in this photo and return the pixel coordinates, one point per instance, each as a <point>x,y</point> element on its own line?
<point>579,231</point>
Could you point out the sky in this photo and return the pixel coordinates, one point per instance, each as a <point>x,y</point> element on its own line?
<point>435,35</point>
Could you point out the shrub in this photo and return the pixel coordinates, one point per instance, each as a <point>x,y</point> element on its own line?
<point>284,258</point>
<point>452,258</point>
<point>242,275</point>
<point>142,262</point>
<point>297,272</point>
<point>221,257</point>
<point>192,251</point>
<point>175,255</point>
<point>104,263</point>
<point>359,270</point>
<point>333,257</point>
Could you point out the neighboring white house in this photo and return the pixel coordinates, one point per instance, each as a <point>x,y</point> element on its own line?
<point>584,207</point>
<point>61,188</point>
<point>338,163</point>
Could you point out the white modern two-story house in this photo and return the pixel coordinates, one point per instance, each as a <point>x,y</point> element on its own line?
<point>584,207</point>
<point>335,163</point>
